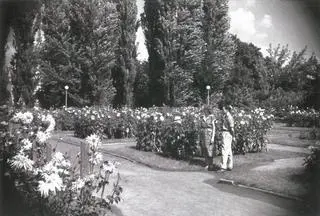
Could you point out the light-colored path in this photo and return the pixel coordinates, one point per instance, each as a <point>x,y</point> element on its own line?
<point>157,193</point>
<point>149,192</point>
<point>288,148</point>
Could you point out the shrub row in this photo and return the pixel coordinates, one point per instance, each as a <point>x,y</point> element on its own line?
<point>296,117</point>
<point>173,132</point>
<point>176,134</point>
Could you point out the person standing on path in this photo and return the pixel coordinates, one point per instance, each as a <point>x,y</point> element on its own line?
<point>207,135</point>
<point>227,137</point>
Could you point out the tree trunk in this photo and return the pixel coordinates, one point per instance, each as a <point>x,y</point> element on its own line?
<point>3,96</point>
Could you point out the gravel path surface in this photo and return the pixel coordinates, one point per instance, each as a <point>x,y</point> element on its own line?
<point>160,193</point>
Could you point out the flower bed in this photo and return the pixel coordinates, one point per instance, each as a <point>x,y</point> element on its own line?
<point>46,181</point>
<point>173,132</point>
<point>176,133</point>
<point>302,118</point>
<point>109,123</point>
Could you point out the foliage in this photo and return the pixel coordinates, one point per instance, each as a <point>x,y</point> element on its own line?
<point>176,133</point>
<point>275,81</point>
<point>302,118</point>
<point>141,88</point>
<point>124,71</point>
<point>22,67</point>
<point>312,168</point>
<point>220,48</point>
<point>47,180</point>
<point>251,127</point>
<point>79,51</point>
<point>248,84</point>
<point>110,123</point>
<point>175,45</point>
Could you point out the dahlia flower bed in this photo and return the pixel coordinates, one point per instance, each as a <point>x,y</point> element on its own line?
<point>302,118</point>
<point>46,180</point>
<point>176,133</point>
<point>173,132</point>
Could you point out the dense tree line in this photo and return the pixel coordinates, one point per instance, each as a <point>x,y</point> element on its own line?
<point>90,46</point>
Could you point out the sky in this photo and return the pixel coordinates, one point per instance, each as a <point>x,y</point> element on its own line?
<point>264,22</point>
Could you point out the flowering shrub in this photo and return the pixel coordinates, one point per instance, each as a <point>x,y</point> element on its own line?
<point>172,134</point>
<point>250,130</point>
<point>65,118</point>
<point>110,123</point>
<point>176,133</point>
<point>302,118</point>
<point>47,180</point>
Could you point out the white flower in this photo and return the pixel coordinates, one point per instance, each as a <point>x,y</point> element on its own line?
<point>49,168</point>
<point>161,118</point>
<point>89,178</point>
<point>51,183</point>
<point>242,122</point>
<point>78,184</point>
<point>27,145</point>
<point>110,167</point>
<point>57,157</point>
<point>118,114</point>
<point>93,140</point>
<point>93,117</point>
<point>178,119</point>
<point>96,158</point>
<point>26,117</point>
<point>21,161</point>
<point>42,136</point>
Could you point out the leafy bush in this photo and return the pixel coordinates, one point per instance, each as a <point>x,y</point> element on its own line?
<point>107,122</point>
<point>46,181</point>
<point>65,118</point>
<point>312,165</point>
<point>250,129</point>
<point>173,132</point>
<point>176,133</point>
<point>172,135</point>
<point>302,118</point>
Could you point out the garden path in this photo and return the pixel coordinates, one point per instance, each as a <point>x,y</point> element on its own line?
<point>158,193</point>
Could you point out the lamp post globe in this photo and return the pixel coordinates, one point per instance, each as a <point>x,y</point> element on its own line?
<point>66,99</point>
<point>208,89</point>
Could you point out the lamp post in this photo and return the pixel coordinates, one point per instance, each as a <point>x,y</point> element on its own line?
<point>208,89</point>
<point>66,101</point>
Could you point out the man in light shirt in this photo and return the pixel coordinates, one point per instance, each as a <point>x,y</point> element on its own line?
<point>227,137</point>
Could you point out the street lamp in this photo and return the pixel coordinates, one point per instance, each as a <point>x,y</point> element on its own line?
<point>66,101</point>
<point>208,88</point>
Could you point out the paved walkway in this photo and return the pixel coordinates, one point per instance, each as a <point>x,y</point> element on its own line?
<point>157,193</point>
<point>288,148</point>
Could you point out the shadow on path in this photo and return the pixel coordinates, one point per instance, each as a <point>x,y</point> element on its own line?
<point>299,208</point>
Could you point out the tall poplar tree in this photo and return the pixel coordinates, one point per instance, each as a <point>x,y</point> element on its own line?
<point>220,48</point>
<point>81,39</point>
<point>175,44</point>
<point>151,20</point>
<point>124,72</point>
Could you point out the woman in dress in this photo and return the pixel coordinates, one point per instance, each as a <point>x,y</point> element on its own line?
<point>207,135</point>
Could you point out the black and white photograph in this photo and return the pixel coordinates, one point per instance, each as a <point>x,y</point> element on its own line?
<point>160,107</point>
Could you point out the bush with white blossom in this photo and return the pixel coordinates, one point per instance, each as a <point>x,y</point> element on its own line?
<point>47,179</point>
